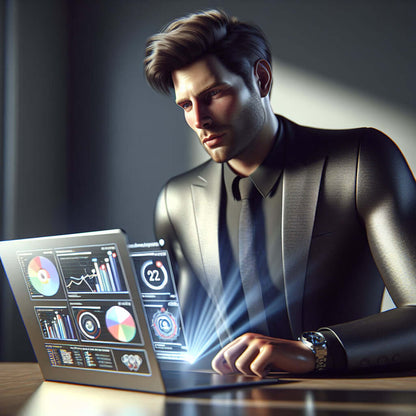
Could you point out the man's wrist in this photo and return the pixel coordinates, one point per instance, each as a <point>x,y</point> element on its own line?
<point>316,342</point>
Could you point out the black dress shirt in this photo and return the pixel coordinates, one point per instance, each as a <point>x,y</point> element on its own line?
<point>268,217</point>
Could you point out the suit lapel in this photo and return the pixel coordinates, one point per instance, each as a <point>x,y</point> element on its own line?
<point>206,194</point>
<point>301,185</point>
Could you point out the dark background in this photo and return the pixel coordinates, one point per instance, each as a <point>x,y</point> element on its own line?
<point>86,145</point>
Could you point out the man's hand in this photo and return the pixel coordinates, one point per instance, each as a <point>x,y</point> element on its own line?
<point>254,354</point>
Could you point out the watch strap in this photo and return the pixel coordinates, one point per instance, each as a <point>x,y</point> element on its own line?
<point>317,343</point>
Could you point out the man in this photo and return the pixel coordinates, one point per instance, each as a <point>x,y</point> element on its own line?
<point>333,213</point>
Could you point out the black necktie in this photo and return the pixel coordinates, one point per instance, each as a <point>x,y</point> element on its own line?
<point>247,259</point>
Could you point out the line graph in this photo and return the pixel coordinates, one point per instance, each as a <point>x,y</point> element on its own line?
<point>94,271</point>
<point>78,281</point>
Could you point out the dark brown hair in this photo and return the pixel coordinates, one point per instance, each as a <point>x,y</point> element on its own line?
<point>236,44</point>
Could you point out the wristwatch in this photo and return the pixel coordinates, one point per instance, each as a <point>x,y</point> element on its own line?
<point>317,343</point>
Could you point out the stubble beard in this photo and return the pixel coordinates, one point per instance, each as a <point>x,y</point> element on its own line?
<point>252,130</point>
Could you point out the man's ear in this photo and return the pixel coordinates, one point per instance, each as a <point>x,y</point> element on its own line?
<point>263,74</point>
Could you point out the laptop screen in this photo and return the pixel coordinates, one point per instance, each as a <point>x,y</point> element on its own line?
<point>84,309</point>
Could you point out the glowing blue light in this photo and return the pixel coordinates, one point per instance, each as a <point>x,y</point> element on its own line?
<point>204,324</point>
<point>190,358</point>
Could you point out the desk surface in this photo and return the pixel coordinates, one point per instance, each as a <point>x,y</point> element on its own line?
<point>23,392</point>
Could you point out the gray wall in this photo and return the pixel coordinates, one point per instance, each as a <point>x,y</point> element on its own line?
<point>88,145</point>
<point>34,125</point>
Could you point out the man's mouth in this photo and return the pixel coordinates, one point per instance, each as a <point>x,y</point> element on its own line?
<point>213,140</point>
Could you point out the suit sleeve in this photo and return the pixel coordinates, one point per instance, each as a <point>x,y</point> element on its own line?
<point>386,203</point>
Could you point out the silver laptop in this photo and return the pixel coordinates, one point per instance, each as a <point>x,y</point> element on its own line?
<point>101,312</point>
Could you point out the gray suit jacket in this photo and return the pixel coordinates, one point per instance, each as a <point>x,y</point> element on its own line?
<point>348,230</point>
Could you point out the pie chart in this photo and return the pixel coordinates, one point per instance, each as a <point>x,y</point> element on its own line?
<point>43,276</point>
<point>120,324</point>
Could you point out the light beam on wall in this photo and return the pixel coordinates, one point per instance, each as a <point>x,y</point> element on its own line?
<point>316,101</point>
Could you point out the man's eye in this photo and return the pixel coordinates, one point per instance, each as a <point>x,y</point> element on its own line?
<point>210,95</point>
<point>213,93</point>
<point>186,106</point>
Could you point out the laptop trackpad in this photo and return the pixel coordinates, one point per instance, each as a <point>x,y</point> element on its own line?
<point>180,381</point>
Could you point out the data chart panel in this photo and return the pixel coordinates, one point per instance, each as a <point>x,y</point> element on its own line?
<point>56,323</point>
<point>98,358</point>
<point>41,275</point>
<point>106,322</point>
<point>92,270</point>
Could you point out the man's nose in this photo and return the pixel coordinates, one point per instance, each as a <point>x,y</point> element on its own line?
<point>203,119</point>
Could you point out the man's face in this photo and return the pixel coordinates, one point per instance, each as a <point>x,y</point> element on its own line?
<point>226,115</point>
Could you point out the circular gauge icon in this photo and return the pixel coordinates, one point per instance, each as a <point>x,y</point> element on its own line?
<point>43,276</point>
<point>154,274</point>
<point>165,326</point>
<point>89,324</point>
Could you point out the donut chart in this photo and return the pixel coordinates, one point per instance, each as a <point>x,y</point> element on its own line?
<point>120,324</point>
<point>89,324</point>
<point>43,276</point>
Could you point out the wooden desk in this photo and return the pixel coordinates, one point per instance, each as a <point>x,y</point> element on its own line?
<point>23,392</point>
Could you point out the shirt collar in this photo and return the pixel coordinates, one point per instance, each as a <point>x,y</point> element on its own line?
<point>266,175</point>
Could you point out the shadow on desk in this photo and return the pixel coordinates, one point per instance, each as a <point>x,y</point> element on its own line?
<point>387,395</point>
<point>286,398</point>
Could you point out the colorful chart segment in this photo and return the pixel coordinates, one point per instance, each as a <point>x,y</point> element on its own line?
<point>120,324</point>
<point>43,276</point>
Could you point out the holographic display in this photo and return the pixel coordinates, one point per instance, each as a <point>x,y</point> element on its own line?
<point>161,304</point>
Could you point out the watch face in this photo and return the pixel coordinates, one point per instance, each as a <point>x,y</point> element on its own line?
<point>315,338</point>
<point>317,343</point>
